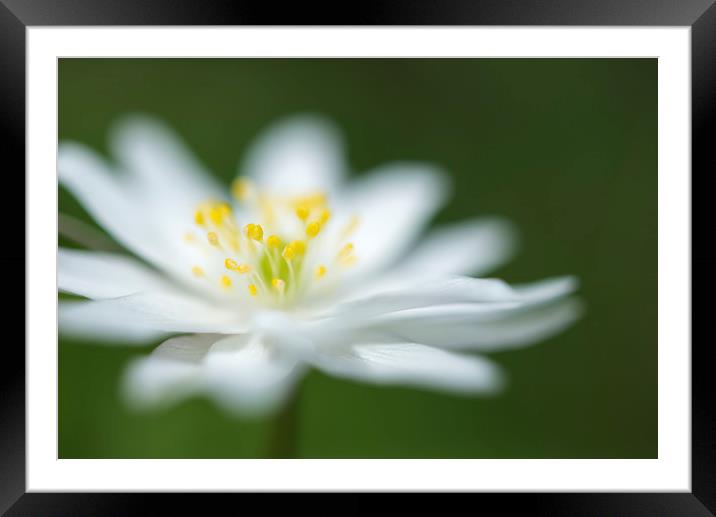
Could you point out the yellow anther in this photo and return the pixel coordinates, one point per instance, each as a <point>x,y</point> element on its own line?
<point>231,264</point>
<point>218,212</point>
<point>288,252</point>
<point>345,251</point>
<point>345,255</point>
<point>241,188</point>
<point>213,238</point>
<point>225,282</point>
<point>252,290</point>
<point>254,231</point>
<point>189,237</point>
<point>273,241</point>
<point>320,271</point>
<point>325,216</point>
<point>197,271</point>
<point>313,229</point>
<point>216,215</point>
<point>199,218</point>
<point>243,269</point>
<point>278,284</point>
<point>302,212</point>
<point>299,247</point>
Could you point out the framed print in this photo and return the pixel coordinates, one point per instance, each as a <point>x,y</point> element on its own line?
<point>435,250</point>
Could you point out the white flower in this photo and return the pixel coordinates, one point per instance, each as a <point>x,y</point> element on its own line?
<point>298,268</point>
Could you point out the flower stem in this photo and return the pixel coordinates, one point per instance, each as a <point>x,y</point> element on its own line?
<point>283,439</point>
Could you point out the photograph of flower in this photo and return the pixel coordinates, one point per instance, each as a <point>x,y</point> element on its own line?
<point>357,258</point>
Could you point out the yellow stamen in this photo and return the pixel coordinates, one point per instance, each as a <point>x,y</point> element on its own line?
<point>216,215</point>
<point>217,212</point>
<point>345,251</point>
<point>231,264</point>
<point>302,212</point>
<point>345,255</point>
<point>325,216</point>
<point>273,241</point>
<point>299,247</point>
<point>223,232</point>
<point>254,231</point>
<point>288,253</point>
<point>313,229</point>
<point>241,188</point>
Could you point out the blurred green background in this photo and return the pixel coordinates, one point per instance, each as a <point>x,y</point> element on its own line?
<point>566,148</point>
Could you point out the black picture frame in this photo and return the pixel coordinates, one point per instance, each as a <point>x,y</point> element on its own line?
<point>17,15</point>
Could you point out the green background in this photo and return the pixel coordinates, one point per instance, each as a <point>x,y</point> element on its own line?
<point>566,148</point>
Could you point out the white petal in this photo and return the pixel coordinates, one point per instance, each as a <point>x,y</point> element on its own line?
<point>472,247</point>
<point>393,204</point>
<point>414,365</point>
<point>169,374</point>
<point>240,373</point>
<point>297,156</point>
<point>82,323</point>
<point>160,312</point>
<point>161,167</point>
<point>244,374</point>
<point>108,197</point>
<point>190,349</point>
<point>148,225</point>
<point>458,290</point>
<point>472,327</point>
<point>103,275</point>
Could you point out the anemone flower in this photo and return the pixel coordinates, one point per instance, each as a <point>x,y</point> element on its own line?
<point>293,267</point>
